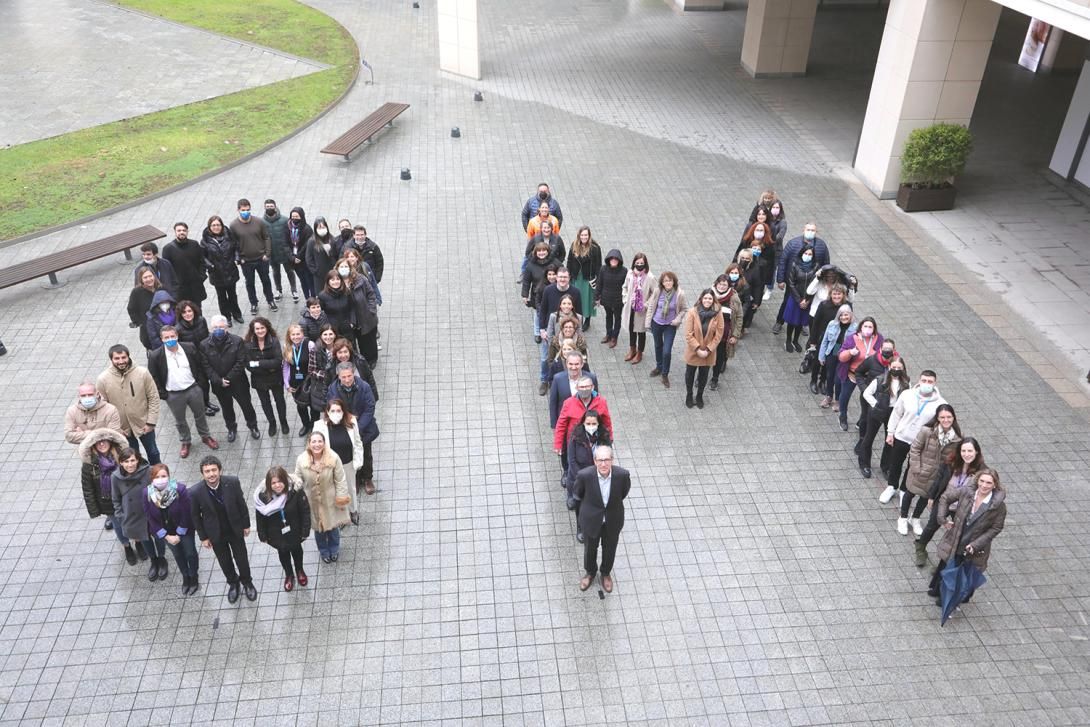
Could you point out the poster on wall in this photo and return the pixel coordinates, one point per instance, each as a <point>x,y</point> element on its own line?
<point>1034,47</point>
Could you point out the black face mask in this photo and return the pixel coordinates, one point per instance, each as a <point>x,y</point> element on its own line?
<point>640,267</point>
<point>270,213</point>
<point>346,235</point>
<point>543,196</point>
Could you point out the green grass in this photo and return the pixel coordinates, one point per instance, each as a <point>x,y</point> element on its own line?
<point>63,178</point>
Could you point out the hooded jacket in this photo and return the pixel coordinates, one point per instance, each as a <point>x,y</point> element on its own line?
<point>155,320</point>
<point>278,235</point>
<point>96,501</point>
<point>611,281</point>
<point>134,394</point>
<point>911,411</point>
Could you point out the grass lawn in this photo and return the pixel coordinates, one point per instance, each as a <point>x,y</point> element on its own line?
<point>66,177</point>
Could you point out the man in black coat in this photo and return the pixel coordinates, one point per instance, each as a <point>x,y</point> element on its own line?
<point>179,375</point>
<point>187,258</point>
<point>223,357</point>
<point>221,516</point>
<point>601,491</point>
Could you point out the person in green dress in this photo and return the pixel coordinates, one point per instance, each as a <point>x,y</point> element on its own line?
<point>584,262</point>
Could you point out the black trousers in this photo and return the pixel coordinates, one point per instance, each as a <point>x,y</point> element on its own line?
<point>866,442</point>
<point>276,276</point>
<point>231,552</point>
<point>896,462</point>
<point>238,391</point>
<point>287,555</point>
<point>699,374</point>
<point>613,320</point>
<point>783,307</point>
<point>931,528</point>
<point>266,404</point>
<point>228,301</point>
<point>636,339</point>
<point>609,538</point>
<point>367,346</point>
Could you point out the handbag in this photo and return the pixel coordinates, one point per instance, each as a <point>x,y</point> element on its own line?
<point>808,361</point>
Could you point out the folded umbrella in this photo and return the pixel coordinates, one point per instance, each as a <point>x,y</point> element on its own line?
<point>959,580</point>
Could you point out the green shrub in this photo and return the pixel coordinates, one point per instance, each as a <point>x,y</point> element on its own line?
<point>935,154</point>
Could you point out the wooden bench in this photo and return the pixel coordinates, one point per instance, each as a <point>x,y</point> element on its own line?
<point>352,139</point>
<point>52,264</point>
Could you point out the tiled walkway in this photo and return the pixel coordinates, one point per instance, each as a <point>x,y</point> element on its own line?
<point>758,580</point>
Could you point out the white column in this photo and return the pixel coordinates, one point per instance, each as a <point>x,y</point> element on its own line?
<point>458,49</point>
<point>777,37</point>
<point>929,68</point>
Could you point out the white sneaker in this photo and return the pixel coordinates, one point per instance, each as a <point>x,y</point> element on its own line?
<point>767,295</point>
<point>917,527</point>
<point>887,495</point>
<point>902,526</point>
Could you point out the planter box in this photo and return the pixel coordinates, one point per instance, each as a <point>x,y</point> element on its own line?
<point>926,200</point>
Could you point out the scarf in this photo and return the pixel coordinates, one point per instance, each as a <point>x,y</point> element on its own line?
<point>705,315</point>
<point>162,499</point>
<point>273,506</point>
<point>883,360</point>
<point>166,318</point>
<point>945,437</point>
<point>106,467</point>
<point>723,299</point>
<point>637,293</point>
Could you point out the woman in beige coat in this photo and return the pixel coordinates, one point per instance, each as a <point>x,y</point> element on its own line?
<point>703,331</point>
<point>980,515</point>
<point>320,470</point>
<point>343,437</point>
<point>636,292</point>
<point>924,458</point>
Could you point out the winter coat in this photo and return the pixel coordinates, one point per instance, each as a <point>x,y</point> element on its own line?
<point>278,235</point>
<point>628,293</point>
<point>587,266</point>
<point>295,515</point>
<point>732,318</point>
<point>792,250</point>
<point>266,366</point>
<point>320,262</point>
<point>312,327</point>
<point>678,305</point>
<point>364,305</point>
<point>220,258</point>
<point>534,204</point>
<point>224,359</point>
<point>371,255</point>
<point>609,290</point>
<point>160,368</point>
<point>361,402</point>
<point>696,338</point>
<point>797,279</point>
<point>580,449</point>
<point>338,308</point>
<point>925,456</point>
<point>79,422</point>
<point>187,258</point>
<point>979,533</point>
<point>176,519</point>
<point>139,304</point>
<point>97,501</point>
<point>322,489</point>
<point>206,519</point>
<point>194,332</point>
<point>363,369</point>
<point>571,414</point>
<point>164,273</point>
<point>127,496</point>
<point>556,248</point>
<point>871,369</point>
<point>298,250</point>
<point>534,280</point>
<point>820,319</point>
<point>154,323</point>
<point>533,227</point>
<point>134,394</point>
<point>321,426</point>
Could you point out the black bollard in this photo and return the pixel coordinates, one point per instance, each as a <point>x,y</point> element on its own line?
<point>478,96</point>
<point>406,174</point>
<point>455,133</point>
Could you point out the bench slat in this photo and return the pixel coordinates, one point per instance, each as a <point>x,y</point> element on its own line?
<point>347,142</point>
<point>36,268</point>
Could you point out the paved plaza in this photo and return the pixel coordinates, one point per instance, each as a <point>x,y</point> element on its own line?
<point>758,580</point>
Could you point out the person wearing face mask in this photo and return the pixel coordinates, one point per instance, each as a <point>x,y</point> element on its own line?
<point>254,254</point>
<point>133,391</point>
<point>796,311</point>
<point>223,359</point>
<point>161,313</point>
<point>959,467</point>
<point>321,252</point>
<point>164,271</point>
<point>127,486</point>
<point>220,250</point>
<point>935,440</point>
<point>99,454</point>
<point>571,413</point>
<point>88,413</point>
<point>187,259</point>
<point>221,518</point>
<point>840,329</point>
<point>277,226</point>
<point>166,505</point>
<point>533,204</point>
<point>759,235</point>
<point>913,407</point>
<point>666,309</point>
<point>872,367</point>
<point>822,283</point>
<point>819,323</point>
<point>751,276</point>
<point>180,379</point>
<point>853,352</point>
<point>585,438</point>
<point>299,237</point>
<point>729,301</point>
<point>360,401</point>
<point>609,293</point>
<point>737,278</point>
<point>337,303</point>
<point>703,330</point>
<point>791,251</point>
<point>364,308</point>
<point>282,515</point>
<point>880,394</point>
<point>344,228</point>
<point>339,429</point>
<point>320,470</point>
<point>980,516</point>
<point>193,328</point>
<point>636,292</point>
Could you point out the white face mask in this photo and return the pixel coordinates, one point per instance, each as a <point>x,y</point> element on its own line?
<point>164,307</point>
<point>591,428</point>
<point>759,234</point>
<point>336,417</point>
<point>160,483</point>
<point>343,271</point>
<point>322,230</point>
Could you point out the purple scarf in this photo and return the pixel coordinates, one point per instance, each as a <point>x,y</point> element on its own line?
<point>637,293</point>
<point>106,467</point>
<point>167,319</point>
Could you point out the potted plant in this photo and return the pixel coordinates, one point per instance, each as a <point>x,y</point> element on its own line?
<point>932,157</point>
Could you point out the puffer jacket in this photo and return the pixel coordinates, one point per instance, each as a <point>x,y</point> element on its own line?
<point>220,256</point>
<point>925,456</point>
<point>609,291</point>
<point>96,499</point>
<point>155,322</point>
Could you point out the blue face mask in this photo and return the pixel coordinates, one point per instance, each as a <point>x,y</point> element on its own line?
<point>733,277</point>
<point>218,333</point>
<point>809,235</point>
<point>756,252</point>
<point>171,343</point>
<point>244,215</point>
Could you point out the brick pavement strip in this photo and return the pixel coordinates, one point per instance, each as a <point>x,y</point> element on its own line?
<point>758,581</point>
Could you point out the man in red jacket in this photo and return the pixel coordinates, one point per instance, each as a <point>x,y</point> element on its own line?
<point>571,413</point>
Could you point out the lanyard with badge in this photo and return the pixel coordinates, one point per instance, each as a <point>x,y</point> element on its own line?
<point>297,357</point>
<point>921,404</point>
<point>285,529</point>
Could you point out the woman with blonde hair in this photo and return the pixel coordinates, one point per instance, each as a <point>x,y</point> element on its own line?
<point>300,365</point>
<point>584,262</point>
<point>320,470</point>
<point>338,425</point>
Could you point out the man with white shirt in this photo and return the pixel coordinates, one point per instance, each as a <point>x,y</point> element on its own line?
<point>601,490</point>
<point>179,376</point>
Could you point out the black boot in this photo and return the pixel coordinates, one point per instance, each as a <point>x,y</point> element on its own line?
<point>185,586</point>
<point>130,555</point>
<point>162,569</point>
<point>285,427</point>
<point>689,398</point>
<point>153,570</point>
<point>714,384</point>
<point>194,584</point>
<point>700,399</point>
<point>140,552</point>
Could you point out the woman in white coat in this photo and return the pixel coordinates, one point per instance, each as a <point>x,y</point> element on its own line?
<point>638,286</point>
<point>338,426</point>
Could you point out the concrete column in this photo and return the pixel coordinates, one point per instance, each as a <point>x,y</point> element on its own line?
<point>929,68</point>
<point>458,49</point>
<point>777,37</point>
<point>697,4</point>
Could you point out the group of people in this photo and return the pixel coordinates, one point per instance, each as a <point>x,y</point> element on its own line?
<point>325,363</point>
<point>843,353</point>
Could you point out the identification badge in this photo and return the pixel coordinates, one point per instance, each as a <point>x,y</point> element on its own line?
<point>285,530</point>
<point>253,364</point>
<point>299,376</point>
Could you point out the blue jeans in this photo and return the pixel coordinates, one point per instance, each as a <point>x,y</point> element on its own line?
<point>261,269</point>
<point>150,447</point>
<point>544,363</point>
<point>329,542</point>
<point>121,538</point>
<point>185,554</point>
<point>846,390</point>
<point>664,345</point>
<point>537,331</point>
